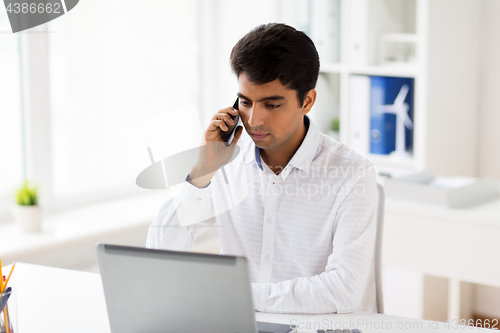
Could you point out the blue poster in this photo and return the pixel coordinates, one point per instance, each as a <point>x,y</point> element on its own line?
<point>385,107</point>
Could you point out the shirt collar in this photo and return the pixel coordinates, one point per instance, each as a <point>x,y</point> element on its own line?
<point>302,158</point>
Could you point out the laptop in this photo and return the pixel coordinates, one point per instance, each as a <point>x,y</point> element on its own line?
<point>151,291</point>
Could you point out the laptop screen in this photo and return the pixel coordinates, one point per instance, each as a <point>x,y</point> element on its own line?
<point>150,290</point>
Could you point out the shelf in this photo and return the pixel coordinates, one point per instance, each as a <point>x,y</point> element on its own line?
<point>410,71</point>
<point>396,71</point>
<point>401,38</point>
<point>441,48</point>
<point>332,68</point>
<point>391,161</point>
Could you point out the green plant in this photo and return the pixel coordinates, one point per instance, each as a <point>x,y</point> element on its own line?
<point>335,125</point>
<point>26,195</point>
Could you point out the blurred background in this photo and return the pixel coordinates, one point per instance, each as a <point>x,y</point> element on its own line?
<point>82,97</point>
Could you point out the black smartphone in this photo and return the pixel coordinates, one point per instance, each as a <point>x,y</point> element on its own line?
<point>229,136</point>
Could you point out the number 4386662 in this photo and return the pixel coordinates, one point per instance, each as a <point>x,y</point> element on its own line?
<point>486,323</point>
<point>24,8</point>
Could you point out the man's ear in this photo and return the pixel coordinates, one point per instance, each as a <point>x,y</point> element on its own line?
<point>309,100</point>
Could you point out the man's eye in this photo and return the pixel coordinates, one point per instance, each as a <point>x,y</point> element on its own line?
<point>244,103</point>
<point>273,106</point>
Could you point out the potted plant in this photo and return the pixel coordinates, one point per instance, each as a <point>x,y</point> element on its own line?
<point>27,213</point>
<point>334,131</point>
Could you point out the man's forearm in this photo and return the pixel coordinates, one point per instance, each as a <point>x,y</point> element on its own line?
<point>199,178</point>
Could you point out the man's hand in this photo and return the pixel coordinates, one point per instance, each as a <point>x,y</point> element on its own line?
<point>220,123</point>
<point>214,153</point>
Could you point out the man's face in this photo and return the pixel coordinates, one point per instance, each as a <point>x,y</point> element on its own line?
<point>270,113</point>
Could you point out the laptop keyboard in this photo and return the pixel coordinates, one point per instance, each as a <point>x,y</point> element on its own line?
<point>339,331</point>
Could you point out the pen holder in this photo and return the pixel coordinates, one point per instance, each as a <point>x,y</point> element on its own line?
<point>8,315</point>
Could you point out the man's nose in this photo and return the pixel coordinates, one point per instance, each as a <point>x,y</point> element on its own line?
<point>256,117</point>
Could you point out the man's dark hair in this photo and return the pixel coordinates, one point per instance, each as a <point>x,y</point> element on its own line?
<point>273,51</point>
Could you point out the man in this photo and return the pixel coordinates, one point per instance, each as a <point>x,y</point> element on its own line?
<point>298,204</point>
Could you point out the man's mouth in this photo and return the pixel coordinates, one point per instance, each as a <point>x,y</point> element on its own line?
<point>258,136</point>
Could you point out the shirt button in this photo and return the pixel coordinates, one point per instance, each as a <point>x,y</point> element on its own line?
<point>269,220</point>
<point>268,257</point>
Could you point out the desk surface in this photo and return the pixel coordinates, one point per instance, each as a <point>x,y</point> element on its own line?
<point>485,214</point>
<point>59,300</point>
<point>453,243</point>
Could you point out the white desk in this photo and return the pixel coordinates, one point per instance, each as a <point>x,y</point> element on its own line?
<point>58,300</point>
<point>458,244</point>
<point>444,242</point>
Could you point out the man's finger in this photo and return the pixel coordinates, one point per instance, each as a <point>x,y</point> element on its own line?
<point>226,117</point>
<point>218,123</point>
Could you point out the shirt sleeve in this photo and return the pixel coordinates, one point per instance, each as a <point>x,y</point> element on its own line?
<point>341,286</point>
<point>184,216</point>
<point>190,211</point>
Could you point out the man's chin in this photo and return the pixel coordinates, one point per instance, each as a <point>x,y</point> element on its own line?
<point>261,144</point>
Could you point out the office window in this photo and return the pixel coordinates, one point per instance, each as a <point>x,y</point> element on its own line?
<point>11,156</point>
<point>110,70</point>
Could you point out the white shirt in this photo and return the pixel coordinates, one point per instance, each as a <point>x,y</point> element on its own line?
<point>308,233</point>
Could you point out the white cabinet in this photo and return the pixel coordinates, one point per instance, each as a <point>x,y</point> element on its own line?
<point>445,252</point>
<point>435,42</point>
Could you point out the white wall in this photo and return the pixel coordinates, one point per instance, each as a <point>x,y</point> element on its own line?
<point>489,92</point>
<point>487,299</point>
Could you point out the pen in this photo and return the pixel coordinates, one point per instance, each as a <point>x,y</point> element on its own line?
<point>2,288</point>
<point>6,322</point>
<point>8,278</point>
<point>1,277</point>
<point>5,317</point>
<point>3,300</point>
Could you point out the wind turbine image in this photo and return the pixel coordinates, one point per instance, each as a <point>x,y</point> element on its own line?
<point>27,14</point>
<point>174,169</point>
<point>400,109</point>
